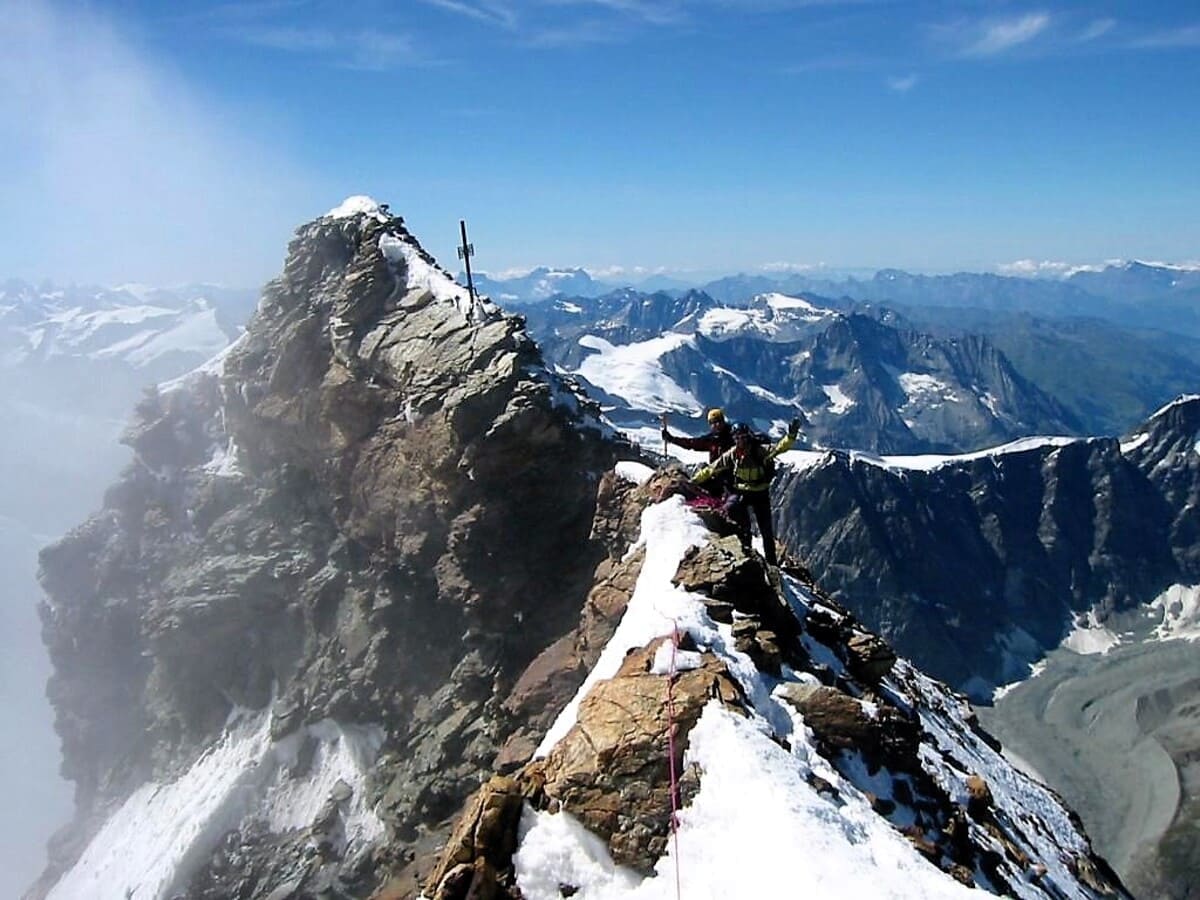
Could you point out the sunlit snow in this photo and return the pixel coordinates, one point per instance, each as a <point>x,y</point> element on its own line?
<point>358,205</point>
<point>929,461</point>
<point>1134,442</point>
<point>768,315</point>
<point>1180,608</point>
<point>1089,636</point>
<point>634,373</point>
<point>153,843</point>
<point>925,390</point>
<point>755,801</point>
<point>839,403</point>
<point>1182,398</point>
<point>423,274</point>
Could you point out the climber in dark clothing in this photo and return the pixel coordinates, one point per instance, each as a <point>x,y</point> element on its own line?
<point>752,465</point>
<point>717,441</point>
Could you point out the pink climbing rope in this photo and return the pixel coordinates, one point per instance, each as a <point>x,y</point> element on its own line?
<point>671,754</point>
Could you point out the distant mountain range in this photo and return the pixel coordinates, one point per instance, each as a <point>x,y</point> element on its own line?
<point>856,381</point>
<point>1135,294</point>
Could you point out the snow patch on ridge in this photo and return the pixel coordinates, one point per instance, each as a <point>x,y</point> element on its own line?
<point>1180,608</point>
<point>929,461</point>
<point>839,403</point>
<point>423,274</point>
<point>1181,399</point>
<point>753,794</point>
<point>657,607</point>
<point>925,390</point>
<point>1134,442</point>
<point>1088,636</point>
<point>358,205</point>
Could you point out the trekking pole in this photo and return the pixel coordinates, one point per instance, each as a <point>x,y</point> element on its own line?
<point>663,419</point>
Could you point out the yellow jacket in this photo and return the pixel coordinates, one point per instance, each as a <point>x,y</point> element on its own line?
<point>749,466</point>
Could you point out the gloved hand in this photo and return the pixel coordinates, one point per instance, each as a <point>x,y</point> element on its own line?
<point>666,436</point>
<point>794,428</point>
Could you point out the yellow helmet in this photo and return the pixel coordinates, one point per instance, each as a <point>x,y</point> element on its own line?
<point>716,415</point>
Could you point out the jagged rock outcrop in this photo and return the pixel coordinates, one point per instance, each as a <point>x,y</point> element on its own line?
<point>376,512</point>
<point>973,567</point>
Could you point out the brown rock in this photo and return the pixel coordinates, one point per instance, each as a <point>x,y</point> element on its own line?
<point>869,657</point>
<point>979,797</point>
<point>837,719</point>
<point>482,844</point>
<point>611,771</point>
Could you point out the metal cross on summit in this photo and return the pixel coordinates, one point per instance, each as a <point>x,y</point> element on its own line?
<point>465,252</point>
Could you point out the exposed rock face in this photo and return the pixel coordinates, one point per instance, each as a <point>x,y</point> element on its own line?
<point>347,523</point>
<point>975,567</point>
<point>612,769</point>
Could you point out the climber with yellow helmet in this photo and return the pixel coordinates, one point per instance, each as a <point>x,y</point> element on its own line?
<point>717,441</point>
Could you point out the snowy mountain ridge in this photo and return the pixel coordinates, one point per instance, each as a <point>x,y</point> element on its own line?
<point>286,675</point>
<point>774,773</point>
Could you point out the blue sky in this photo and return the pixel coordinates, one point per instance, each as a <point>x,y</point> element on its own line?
<point>167,141</point>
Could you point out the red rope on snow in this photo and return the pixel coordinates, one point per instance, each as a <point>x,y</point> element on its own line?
<point>671,753</point>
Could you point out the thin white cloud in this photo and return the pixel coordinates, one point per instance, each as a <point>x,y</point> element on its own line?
<point>1033,268</point>
<point>653,12</point>
<point>902,84</point>
<point>791,267</point>
<point>487,11</point>
<point>116,171</point>
<point>602,273</point>
<point>576,34</point>
<point>1184,36</point>
<point>368,50</point>
<point>1096,29</point>
<point>995,37</point>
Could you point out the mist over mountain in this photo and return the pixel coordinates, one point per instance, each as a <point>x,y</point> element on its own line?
<point>75,360</point>
<point>538,285</point>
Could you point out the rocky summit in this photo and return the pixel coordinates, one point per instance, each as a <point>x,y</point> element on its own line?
<point>373,614</point>
<point>372,514</point>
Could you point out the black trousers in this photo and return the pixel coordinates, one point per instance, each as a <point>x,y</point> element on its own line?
<point>739,506</point>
